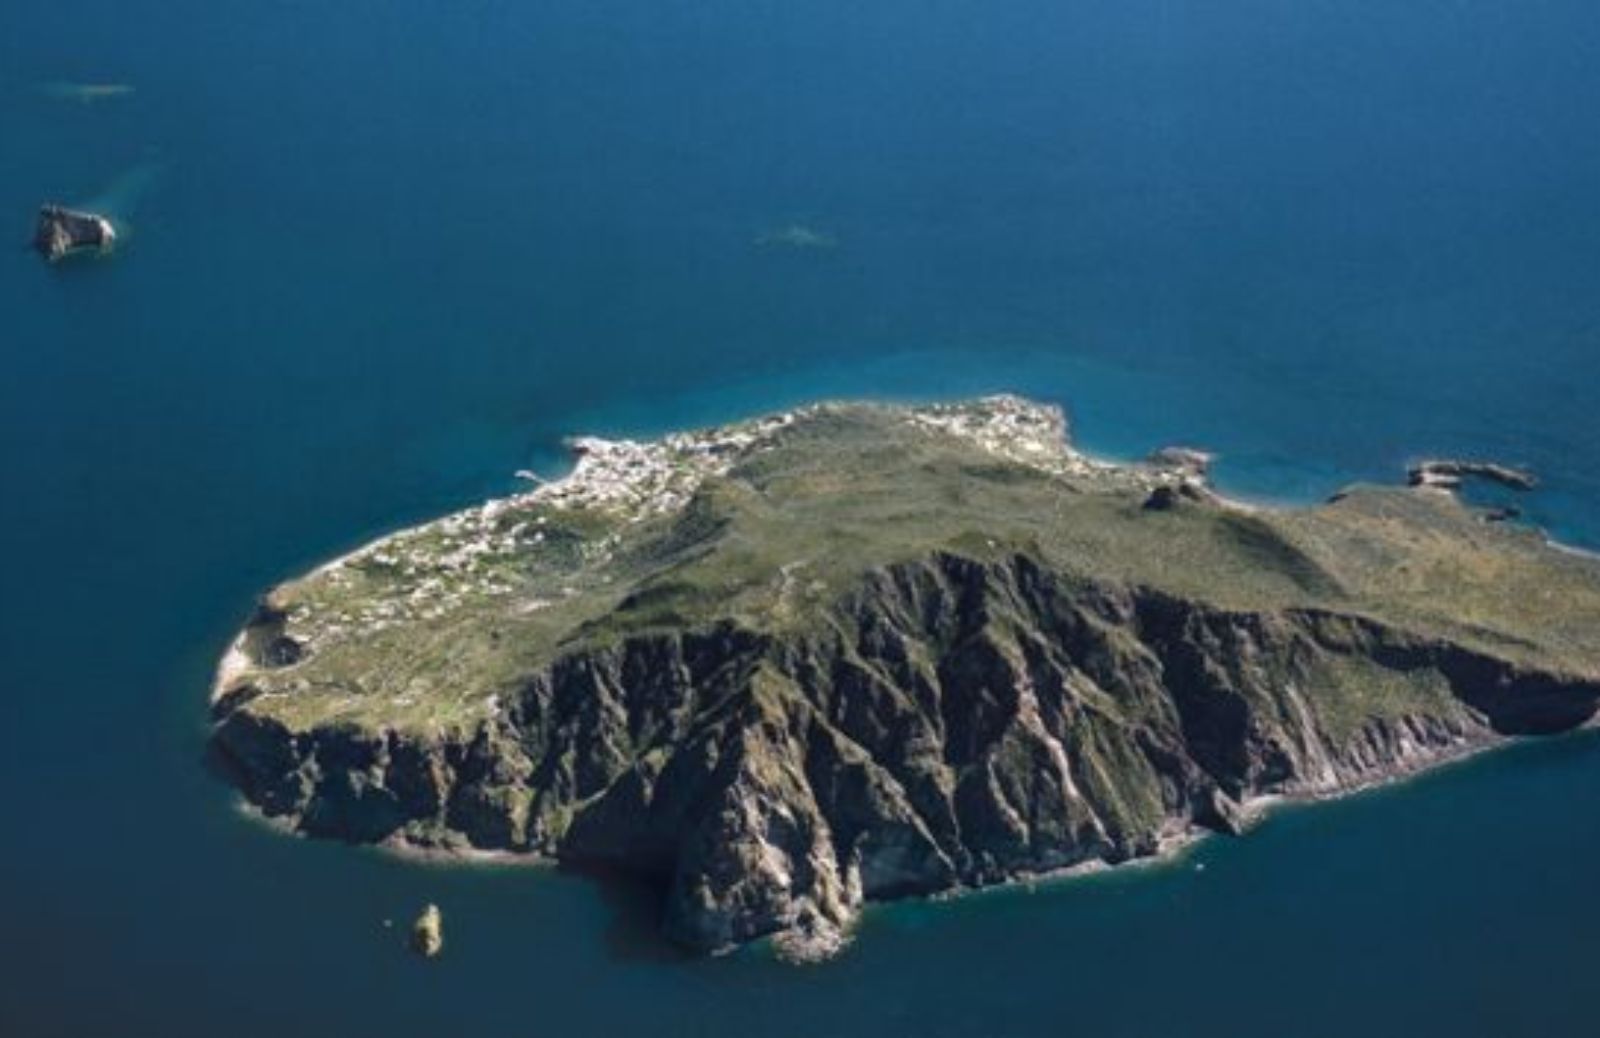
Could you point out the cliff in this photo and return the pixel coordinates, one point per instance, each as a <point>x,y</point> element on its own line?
<point>863,652</point>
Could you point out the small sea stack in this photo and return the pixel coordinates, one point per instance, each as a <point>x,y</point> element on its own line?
<point>427,933</point>
<point>61,231</point>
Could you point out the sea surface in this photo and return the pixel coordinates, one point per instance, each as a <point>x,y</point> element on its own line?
<point>377,256</point>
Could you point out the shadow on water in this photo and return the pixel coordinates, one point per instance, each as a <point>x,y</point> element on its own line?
<point>636,903</point>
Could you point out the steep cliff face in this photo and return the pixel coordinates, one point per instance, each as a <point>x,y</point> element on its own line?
<point>857,652</point>
<point>955,722</point>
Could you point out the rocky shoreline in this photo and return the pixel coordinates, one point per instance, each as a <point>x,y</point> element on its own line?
<point>859,653</point>
<point>1448,474</point>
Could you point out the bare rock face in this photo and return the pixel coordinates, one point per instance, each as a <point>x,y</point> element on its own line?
<point>61,231</point>
<point>883,652</point>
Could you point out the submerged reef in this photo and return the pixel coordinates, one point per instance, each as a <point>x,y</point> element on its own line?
<point>799,237</point>
<point>85,93</point>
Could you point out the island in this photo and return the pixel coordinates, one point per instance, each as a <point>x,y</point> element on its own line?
<point>61,231</point>
<point>855,652</point>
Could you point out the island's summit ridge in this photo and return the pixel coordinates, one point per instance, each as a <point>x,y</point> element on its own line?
<point>861,651</point>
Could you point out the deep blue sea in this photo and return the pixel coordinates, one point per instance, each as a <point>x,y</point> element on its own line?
<point>377,256</point>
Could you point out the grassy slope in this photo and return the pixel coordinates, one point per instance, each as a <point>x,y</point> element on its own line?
<point>780,538</point>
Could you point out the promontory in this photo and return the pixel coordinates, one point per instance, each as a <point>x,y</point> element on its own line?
<point>859,651</point>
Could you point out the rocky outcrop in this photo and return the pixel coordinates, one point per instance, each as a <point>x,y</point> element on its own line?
<point>427,933</point>
<point>61,231</point>
<point>1447,474</point>
<point>955,722</point>
<point>1190,460</point>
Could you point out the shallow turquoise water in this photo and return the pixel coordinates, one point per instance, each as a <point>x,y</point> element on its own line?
<point>379,256</point>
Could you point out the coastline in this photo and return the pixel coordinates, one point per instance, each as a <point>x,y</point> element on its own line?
<point>814,948</point>
<point>1257,809</point>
